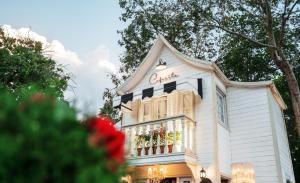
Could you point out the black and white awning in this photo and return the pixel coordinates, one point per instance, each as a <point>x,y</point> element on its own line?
<point>149,92</point>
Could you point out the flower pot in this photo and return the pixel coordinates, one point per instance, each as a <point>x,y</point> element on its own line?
<point>170,148</point>
<point>147,150</point>
<point>154,149</point>
<point>162,149</point>
<point>139,150</point>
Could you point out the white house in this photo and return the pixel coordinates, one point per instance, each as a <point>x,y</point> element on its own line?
<point>182,115</point>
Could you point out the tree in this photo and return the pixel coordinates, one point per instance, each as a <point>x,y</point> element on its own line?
<point>42,141</point>
<point>23,62</point>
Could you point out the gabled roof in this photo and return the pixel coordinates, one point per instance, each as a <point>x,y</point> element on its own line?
<point>151,58</point>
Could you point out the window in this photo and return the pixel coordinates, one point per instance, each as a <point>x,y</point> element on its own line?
<point>221,105</point>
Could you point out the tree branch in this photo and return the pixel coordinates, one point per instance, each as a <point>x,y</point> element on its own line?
<point>282,26</point>
<point>240,35</point>
<point>284,18</point>
<point>291,10</point>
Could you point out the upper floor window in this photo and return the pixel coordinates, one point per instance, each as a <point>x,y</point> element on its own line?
<point>221,105</point>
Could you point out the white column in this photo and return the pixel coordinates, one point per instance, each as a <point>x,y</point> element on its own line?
<point>143,143</point>
<point>135,153</point>
<point>165,126</point>
<point>158,141</point>
<point>128,136</point>
<point>182,135</point>
<point>151,140</point>
<point>194,137</point>
<point>189,136</point>
<point>174,136</point>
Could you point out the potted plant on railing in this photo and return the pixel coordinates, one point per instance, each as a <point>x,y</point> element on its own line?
<point>147,138</point>
<point>139,140</point>
<point>154,141</point>
<point>162,135</point>
<point>170,139</point>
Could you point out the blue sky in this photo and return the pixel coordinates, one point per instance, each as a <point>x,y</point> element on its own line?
<point>79,25</point>
<point>83,37</point>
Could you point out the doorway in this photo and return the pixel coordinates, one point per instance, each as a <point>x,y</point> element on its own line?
<point>168,180</point>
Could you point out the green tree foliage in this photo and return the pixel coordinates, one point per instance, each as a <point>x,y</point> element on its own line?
<point>41,141</point>
<point>23,62</point>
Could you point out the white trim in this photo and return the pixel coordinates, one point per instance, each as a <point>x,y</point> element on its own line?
<point>275,142</point>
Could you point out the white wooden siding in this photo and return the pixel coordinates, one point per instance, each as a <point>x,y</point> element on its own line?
<point>251,131</point>
<point>186,73</point>
<point>206,129</point>
<point>224,151</point>
<point>282,140</point>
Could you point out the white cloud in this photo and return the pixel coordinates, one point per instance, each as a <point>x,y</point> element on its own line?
<point>89,71</point>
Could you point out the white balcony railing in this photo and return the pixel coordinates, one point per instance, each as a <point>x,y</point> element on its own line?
<point>160,137</point>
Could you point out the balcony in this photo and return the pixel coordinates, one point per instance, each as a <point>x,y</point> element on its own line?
<point>170,139</point>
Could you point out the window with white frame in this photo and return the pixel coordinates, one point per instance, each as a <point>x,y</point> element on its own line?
<point>221,106</point>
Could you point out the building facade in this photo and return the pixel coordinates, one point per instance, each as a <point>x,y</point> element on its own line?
<point>182,115</point>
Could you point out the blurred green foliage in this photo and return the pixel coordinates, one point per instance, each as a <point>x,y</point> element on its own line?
<point>24,61</point>
<point>42,141</point>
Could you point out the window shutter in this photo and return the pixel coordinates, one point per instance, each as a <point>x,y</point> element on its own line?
<point>179,103</point>
<point>135,108</point>
<point>200,89</point>
<point>141,112</point>
<point>172,104</point>
<point>187,99</point>
<point>154,102</point>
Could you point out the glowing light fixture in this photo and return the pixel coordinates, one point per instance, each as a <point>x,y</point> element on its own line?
<point>156,174</point>
<point>161,65</point>
<point>202,173</point>
<point>243,173</point>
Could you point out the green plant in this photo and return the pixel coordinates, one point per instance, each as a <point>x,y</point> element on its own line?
<point>139,140</point>
<point>171,136</point>
<point>155,134</point>
<point>42,141</point>
<point>147,138</point>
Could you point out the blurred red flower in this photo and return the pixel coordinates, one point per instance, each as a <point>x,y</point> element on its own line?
<point>103,131</point>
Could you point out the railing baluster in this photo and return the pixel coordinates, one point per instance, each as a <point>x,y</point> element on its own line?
<point>194,137</point>
<point>128,137</point>
<point>158,140</point>
<point>151,140</point>
<point>174,136</point>
<point>182,135</point>
<point>134,144</point>
<point>166,136</point>
<point>188,136</point>
<point>143,142</point>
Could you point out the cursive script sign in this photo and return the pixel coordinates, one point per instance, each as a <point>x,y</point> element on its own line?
<point>155,78</point>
